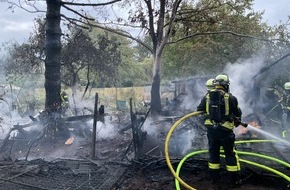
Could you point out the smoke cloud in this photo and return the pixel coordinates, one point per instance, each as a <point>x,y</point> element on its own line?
<point>242,83</point>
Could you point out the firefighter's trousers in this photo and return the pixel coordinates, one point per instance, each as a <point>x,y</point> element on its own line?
<point>217,138</point>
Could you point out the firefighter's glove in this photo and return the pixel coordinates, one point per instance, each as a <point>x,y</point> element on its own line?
<point>237,122</point>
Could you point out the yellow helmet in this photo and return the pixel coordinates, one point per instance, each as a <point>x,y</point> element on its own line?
<point>287,86</point>
<point>209,84</point>
<point>222,79</point>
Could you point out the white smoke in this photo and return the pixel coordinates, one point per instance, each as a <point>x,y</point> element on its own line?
<point>241,76</point>
<point>193,97</point>
<point>9,117</point>
<point>104,130</point>
<point>181,141</point>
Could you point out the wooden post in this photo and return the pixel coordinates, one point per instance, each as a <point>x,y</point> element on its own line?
<point>73,95</point>
<point>93,151</point>
<point>134,131</point>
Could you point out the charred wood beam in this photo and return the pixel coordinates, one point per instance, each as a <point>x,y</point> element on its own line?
<point>35,139</point>
<point>135,131</point>
<point>78,118</point>
<point>127,150</point>
<point>156,147</point>
<point>93,148</point>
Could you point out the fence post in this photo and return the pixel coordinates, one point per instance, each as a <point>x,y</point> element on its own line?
<point>93,151</point>
<point>134,131</point>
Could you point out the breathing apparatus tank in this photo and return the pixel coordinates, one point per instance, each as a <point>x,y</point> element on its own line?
<point>216,106</point>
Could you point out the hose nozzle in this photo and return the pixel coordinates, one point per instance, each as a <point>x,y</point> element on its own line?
<point>244,124</point>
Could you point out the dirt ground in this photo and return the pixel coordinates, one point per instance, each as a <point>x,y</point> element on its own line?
<point>158,177</point>
<point>148,173</point>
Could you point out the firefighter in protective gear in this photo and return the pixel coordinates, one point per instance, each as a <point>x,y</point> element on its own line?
<point>280,113</point>
<point>64,103</point>
<point>209,84</point>
<point>273,108</point>
<point>286,110</point>
<point>220,133</point>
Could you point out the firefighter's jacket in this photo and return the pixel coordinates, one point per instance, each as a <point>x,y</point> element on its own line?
<point>282,98</point>
<point>286,103</point>
<point>232,109</point>
<point>221,134</point>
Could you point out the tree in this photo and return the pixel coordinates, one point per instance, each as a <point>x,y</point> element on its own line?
<point>26,60</point>
<point>134,68</point>
<point>52,59</point>
<point>159,19</point>
<point>207,54</point>
<point>98,57</point>
<point>53,47</point>
<point>24,67</point>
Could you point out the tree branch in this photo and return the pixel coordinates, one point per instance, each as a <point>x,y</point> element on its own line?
<point>125,24</point>
<point>90,4</point>
<point>121,33</point>
<point>77,13</point>
<point>264,69</point>
<point>74,21</point>
<point>170,24</point>
<point>151,23</point>
<point>222,32</point>
<point>21,7</point>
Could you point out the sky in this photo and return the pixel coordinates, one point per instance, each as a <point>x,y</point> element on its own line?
<point>17,25</point>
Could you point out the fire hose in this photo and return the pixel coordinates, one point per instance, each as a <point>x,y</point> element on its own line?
<point>178,180</point>
<point>241,160</point>
<point>166,148</point>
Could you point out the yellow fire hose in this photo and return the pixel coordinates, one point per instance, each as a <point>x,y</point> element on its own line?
<point>166,148</point>
<point>254,141</point>
<point>176,174</point>
<point>242,160</point>
<point>181,163</point>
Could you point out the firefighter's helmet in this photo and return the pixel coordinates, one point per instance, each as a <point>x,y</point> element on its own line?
<point>222,79</point>
<point>209,84</point>
<point>287,86</point>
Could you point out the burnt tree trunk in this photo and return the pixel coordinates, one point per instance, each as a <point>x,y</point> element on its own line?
<point>159,39</point>
<point>155,88</point>
<point>52,61</point>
